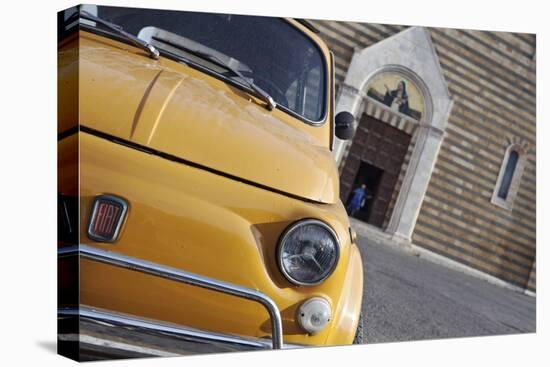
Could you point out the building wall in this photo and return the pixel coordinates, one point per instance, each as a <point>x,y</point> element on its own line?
<point>343,37</point>
<point>491,78</point>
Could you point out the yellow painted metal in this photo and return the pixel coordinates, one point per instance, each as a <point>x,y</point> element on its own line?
<point>198,220</point>
<point>181,111</point>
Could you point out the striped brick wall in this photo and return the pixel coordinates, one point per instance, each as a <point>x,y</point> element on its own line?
<point>491,78</point>
<point>343,37</point>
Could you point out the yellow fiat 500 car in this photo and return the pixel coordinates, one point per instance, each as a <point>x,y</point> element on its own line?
<point>197,192</point>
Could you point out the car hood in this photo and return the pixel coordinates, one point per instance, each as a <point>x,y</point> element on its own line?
<point>179,111</point>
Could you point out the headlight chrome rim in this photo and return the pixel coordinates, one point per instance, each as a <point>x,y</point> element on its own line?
<point>286,234</point>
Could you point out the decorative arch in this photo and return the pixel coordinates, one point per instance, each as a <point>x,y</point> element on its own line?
<point>409,53</point>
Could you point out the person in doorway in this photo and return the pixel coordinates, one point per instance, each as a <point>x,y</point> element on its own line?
<point>398,99</point>
<point>358,198</point>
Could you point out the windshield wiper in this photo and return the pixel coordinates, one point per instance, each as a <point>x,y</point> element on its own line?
<point>152,50</point>
<point>270,102</point>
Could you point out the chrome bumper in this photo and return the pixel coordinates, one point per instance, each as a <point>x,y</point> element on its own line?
<point>188,334</point>
<point>120,333</point>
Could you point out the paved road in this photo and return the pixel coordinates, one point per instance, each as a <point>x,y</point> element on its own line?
<point>411,298</point>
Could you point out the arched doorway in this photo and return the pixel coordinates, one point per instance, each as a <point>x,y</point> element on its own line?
<point>408,56</point>
<point>375,158</point>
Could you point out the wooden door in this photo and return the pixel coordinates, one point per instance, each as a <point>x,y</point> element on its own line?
<point>382,147</point>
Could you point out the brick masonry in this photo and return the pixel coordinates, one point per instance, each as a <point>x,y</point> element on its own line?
<point>491,77</point>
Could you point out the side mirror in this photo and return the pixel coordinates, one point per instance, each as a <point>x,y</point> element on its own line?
<point>343,125</point>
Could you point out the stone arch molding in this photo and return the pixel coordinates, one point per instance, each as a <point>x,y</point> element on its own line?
<point>410,53</point>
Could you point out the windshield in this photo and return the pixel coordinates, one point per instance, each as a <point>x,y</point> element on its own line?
<point>269,52</point>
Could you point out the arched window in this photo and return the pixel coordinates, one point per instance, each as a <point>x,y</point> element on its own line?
<point>508,174</point>
<point>509,177</point>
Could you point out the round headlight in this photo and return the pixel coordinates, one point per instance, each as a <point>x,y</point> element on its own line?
<point>308,252</point>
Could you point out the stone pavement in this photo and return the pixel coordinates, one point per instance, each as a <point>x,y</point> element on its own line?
<point>407,297</point>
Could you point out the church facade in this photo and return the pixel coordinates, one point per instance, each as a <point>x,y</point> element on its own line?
<point>444,141</point>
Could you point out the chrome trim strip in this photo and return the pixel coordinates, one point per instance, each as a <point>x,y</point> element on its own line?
<point>333,100</point>
<point>119,319</point>
<point>67,251</point>
<point>323,118</point>
<point>166,272</point>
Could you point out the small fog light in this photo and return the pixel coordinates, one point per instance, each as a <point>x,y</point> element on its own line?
<point>314,314</point>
